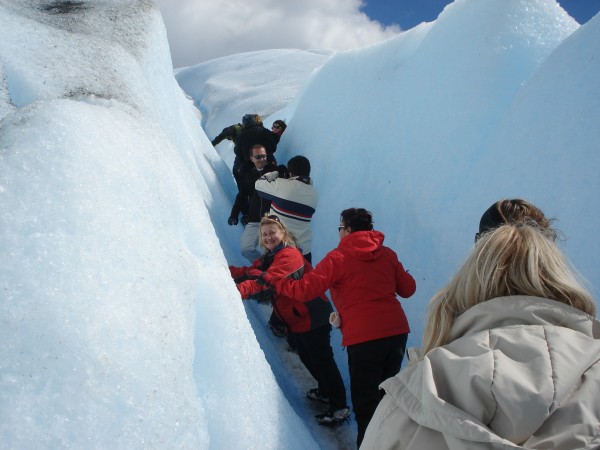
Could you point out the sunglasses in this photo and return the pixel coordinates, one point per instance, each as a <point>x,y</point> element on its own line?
<point>341,227</point>
<point>276,126</point>
<point>275,218</point>
<point>259,156</point>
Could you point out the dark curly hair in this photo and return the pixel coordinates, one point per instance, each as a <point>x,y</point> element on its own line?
<point>299,166</point>
<point>281,124</point>
<point>358,219</point>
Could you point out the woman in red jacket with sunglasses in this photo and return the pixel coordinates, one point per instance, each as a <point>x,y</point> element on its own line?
<point>363,277</point>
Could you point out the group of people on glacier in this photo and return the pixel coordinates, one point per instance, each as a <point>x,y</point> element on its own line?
<point>511,349</point>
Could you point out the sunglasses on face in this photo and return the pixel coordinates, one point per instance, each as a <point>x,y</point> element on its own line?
<point>259,156</point>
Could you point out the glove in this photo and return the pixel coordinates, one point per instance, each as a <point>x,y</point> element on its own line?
<point>245,220</point>
<point>271,176</point>
<point>261,277</point>
<point>233,220</point>
<point>335,320</point>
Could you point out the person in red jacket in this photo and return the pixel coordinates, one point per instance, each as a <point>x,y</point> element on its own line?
<point>307,321</point>
<point>363,277</point>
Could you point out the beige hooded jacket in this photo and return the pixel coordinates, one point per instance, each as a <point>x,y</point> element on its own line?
<point>520,372</point>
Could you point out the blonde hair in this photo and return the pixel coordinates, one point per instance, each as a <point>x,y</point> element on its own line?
<point>288,238</point>
<point>514,259</point>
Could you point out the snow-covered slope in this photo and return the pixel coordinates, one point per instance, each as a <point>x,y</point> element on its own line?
<point>121,326</point>
<point>422,130</point>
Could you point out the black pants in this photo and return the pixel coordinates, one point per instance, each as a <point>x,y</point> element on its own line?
<point>316,354</point>
<point>370,363</point>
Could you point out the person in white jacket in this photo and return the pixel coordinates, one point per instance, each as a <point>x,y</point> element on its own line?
<point>293,200</point>
<point>511,356</point>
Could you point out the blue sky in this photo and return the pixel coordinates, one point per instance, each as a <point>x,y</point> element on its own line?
<point>408,13</point>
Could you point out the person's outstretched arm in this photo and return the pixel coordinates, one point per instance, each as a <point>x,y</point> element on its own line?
<point>311,285</point>
<point>405,283</point>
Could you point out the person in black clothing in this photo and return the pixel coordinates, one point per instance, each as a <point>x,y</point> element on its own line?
<point>278,128</point>
<point>252,133</point>
<point>248,200</point>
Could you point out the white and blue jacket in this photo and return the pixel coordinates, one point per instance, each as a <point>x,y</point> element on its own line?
<point>294,201</point>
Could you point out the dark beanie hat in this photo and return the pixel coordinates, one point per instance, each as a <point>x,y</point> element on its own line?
<point>491,219</point>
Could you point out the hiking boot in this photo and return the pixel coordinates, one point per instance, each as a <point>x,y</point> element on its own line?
<point>334,418</point>
<point>314,394</point>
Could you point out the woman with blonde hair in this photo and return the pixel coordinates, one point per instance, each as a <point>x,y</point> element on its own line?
<point>511,356</point>
<point>308,322</point>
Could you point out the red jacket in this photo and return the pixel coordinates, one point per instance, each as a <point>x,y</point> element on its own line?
<point>299,316</point>
<point>363,278</point>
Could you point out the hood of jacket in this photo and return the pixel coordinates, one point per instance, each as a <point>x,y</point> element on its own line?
<point>522,372</point>
<point>363,245</point>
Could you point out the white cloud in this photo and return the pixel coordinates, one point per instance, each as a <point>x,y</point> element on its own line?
<point>200,30</point>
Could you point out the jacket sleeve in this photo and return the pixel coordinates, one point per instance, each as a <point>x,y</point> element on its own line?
<point>267,189</point>
<point>238,271</point>
<point>247,287</point>
<point>286,262</point>
<point>312,284</point>
<point>242,198</point>
<point>271,141</point>
<point>227,133</point>
<point>238,204</point>
<point>405,283</point>
<point>276,137</point>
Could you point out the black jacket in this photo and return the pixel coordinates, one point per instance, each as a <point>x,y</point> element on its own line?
<point>247,201</point>
<point>255,134</point>
<point>230,133</point>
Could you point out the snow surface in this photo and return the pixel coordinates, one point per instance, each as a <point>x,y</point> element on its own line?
<point>120,323</point>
